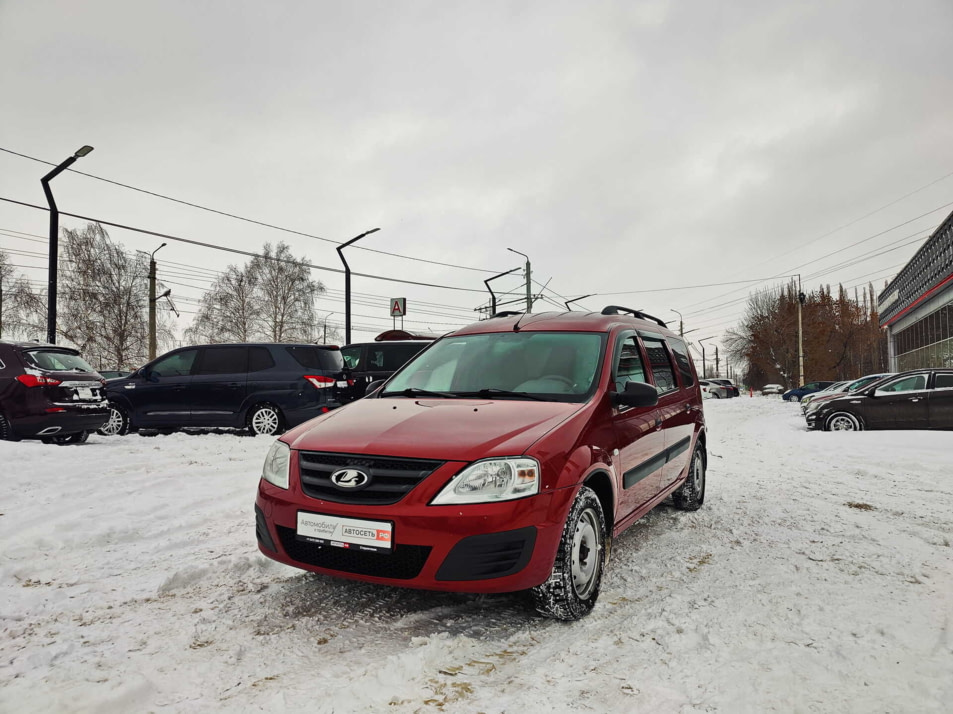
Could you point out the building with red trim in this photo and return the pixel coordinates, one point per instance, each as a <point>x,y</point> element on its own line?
<point>916,308</point>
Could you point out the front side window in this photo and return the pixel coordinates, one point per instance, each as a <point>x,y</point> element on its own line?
<point>557,366</point>
<point>177,365</point>
<point>662,369</point>
<point>629,367</point>
<point>913,383</point>
<point>944,381</point>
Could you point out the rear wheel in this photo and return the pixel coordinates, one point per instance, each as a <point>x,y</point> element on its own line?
<point>6,430</point>
<point>691,495</point>
<point>118,424</point>
<point>79,437</point>
<point>572,589</point>
<point>264,420</point>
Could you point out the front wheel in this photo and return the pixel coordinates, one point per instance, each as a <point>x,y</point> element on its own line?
<point>843,421</point>
<point>794,398</point>
<point>691,495</point>
<point>264,420</point>
<point>79,437</point>
<point>572,589</point>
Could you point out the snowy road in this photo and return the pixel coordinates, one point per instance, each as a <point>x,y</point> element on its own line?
<point>817,577</point>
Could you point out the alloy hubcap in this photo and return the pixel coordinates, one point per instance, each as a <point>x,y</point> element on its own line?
<point>265,421</point>
<point>112,427</point>
<point>842,424</point>
<point>586,553</point>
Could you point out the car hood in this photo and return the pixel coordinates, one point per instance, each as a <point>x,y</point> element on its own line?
<point>445,429</point>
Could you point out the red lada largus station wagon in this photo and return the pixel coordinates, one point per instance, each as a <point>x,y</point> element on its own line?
<point>504,457</point>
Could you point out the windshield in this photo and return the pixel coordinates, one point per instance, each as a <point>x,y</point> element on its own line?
<point>559,366</point>
<point>56,361</point>
<point>863,381</point>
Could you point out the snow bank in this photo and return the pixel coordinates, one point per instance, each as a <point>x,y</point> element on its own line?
<point>817,577</point>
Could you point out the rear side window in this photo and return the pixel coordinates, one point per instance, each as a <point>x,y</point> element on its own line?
<point>684,363</point>
<point>316,358</point>
<point>662,368</point>
<point>57,361</point>
<point>944,381</point>
<point>352,357</point>
<point>259,359</point>
<point>223,360</point>
<point>390,358</point>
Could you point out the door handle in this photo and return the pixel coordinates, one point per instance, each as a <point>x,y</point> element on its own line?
<point>914,399</point>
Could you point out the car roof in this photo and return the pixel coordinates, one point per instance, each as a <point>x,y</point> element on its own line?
<point>562,322</point>
<point>28,344</point>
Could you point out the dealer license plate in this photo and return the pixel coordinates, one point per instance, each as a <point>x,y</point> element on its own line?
<point>346,532</point>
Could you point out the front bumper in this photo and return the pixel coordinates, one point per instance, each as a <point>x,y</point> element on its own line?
<point>479,548</point>
<point>814,421</point>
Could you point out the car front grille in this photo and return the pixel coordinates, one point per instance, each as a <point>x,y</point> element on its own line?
<point>403,563</point>
<point>390,479</point>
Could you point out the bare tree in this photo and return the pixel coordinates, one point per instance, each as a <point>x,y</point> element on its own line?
<point>104,299</point>
<point>22,309</point>
<point>271,299</point>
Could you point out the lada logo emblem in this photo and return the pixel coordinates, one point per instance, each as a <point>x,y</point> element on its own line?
<point>349,478</point>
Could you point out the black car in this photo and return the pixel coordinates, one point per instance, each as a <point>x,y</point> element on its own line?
<point>114,373</point>
<point>263,387</point>
<point>919,399</point>
<point>48,392</point>
<point>366,362</point>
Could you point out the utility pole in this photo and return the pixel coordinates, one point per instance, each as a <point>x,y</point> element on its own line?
<point>717,367</point>
<point>704,365</point>
<point>54,241</point>
<point>152,302</point>
<point>529,281</point>
<point>801,297</point>
<point>347,283</point>
<point>1,304</point>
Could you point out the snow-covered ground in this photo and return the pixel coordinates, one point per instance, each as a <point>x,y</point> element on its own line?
<point>818,577</point>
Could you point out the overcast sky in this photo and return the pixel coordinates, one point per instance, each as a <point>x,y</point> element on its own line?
<point>623,146</point>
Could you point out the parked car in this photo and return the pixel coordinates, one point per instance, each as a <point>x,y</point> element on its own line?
<point>114,373</point>
<point>772,389</point>
<point>503,458</point>
<point>366,362</point>
<point>795,395</point>
<point>919,399</point>
<point>731,390</point>
<point>48,392</point>
<point>711,390</point>
<point>818,397</point>
<point>262,387</point>
<point>835,388</point>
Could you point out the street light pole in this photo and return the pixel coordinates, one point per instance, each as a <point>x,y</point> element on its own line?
<point>324,340</point>
<point>347,283</point>
<point>681,325</point>
<point>54,241</point>
<point>493,294</point>
<point>801,297</point>
<point>577,300</point>
<point>152,302</point>
<point>704,365</point>
<point>529,284</point>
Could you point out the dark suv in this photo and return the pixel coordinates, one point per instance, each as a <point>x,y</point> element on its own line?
<point>48,392</point>
<point>505,457</point>
<point>366,362</point>
<point>262,387</point>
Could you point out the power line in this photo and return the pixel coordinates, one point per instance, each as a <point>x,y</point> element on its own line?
<point>241,252</point>
<point>248,220</point>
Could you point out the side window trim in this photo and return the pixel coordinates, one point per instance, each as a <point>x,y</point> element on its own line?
<point>671,363</point>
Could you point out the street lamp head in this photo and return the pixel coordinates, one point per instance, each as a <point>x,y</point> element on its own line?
<point>518,253</point>
<point>82,151</point>
<point>158,249</point>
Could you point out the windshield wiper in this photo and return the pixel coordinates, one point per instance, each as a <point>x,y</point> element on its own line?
<point>494,392</point>
<point>415,392</point>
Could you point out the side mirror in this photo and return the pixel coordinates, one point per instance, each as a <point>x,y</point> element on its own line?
<point>636,394</point>
<point>374,386</point>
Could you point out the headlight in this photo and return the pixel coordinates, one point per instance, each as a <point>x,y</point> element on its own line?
<point>275,470</point>
<point>492,480</point>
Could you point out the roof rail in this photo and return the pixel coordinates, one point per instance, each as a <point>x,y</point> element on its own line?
<point>618,309</point>
<point>506,313</point>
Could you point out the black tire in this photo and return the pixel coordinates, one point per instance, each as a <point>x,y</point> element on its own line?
<point>691,494</point>
<point>716,395</point>
<point>572,589</point>
<point>118,424</point>
<point>264,420</point>
<point>843,421</point>
<point>6,430</point>
<point>79,437</point>
<point>794,398</point>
